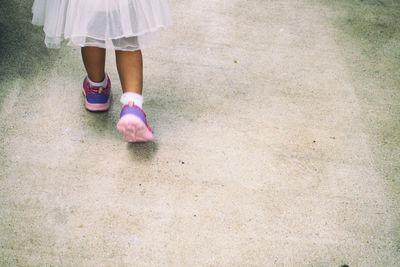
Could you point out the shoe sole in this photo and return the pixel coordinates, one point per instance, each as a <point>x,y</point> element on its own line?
<point>96,107</point>
<point>134,130</point>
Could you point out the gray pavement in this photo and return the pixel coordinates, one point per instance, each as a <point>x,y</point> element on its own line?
<point>277,143</point>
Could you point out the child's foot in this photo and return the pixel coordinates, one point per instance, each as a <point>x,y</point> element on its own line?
<point>133,124</point>
<point>96,98</point>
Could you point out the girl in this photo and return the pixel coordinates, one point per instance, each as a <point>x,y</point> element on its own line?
<point>126,26</point>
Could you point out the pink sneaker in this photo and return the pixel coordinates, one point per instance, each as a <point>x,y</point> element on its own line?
<point>96,98</point>
<point>133,124</point>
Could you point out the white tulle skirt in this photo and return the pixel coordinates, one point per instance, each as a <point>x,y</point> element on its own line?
<point>127,25</point>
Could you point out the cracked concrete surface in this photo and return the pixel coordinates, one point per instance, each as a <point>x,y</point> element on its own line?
<point>276,143</point>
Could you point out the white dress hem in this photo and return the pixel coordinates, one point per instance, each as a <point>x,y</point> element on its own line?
<point>127,25</point>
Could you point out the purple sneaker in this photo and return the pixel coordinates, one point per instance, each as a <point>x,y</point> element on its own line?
<point>96,98</point>
<point>133,124</point>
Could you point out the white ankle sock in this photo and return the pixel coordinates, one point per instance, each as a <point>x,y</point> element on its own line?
<point>132,97</point>
<point>100,84</point>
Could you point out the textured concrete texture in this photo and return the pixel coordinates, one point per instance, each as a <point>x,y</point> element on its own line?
<point>277,126</point>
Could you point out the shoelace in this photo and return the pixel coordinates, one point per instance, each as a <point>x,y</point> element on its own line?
<point>95,90</point>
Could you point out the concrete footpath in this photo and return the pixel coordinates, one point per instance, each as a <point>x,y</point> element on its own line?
<point>277,142</point>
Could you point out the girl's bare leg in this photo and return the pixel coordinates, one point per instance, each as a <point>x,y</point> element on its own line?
<point>94,59</point>
<point>130,70</point>
<point>133,126</point>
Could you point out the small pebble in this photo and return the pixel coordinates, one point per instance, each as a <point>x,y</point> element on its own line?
<point>76,138</point>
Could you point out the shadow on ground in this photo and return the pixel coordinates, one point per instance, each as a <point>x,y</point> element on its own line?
<point>22,50</point>
<point>142,152</point>
<point>369,31</point>
<point>375,27</point>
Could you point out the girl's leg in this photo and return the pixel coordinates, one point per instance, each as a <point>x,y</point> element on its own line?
<point>130,70</point>
<point>132,124</point>
<point>94,59</point>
